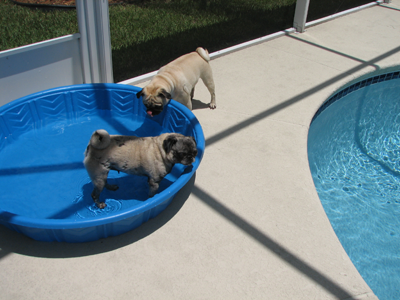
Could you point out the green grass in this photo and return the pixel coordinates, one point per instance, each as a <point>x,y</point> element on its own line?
<point>147,34</point>
<point>21,25</point>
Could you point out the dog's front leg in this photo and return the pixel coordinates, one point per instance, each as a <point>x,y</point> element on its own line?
<point>153,184</point>
<point>96,198</point>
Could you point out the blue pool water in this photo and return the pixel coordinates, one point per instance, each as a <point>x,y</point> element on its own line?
<point>354,157</point>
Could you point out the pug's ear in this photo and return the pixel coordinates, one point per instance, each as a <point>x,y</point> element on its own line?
<point>165,94</point>
<point>140,94</point>
<point>168,143</point>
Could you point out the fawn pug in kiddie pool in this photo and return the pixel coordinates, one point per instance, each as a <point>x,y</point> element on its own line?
<point>153,157</point>
<point>177,80</point>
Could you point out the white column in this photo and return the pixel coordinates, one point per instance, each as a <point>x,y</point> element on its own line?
<point>95,42</point>
<point>300,15</point>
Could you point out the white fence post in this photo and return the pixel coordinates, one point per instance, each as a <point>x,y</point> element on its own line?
<point>300,15</point>
<point>94,27</point>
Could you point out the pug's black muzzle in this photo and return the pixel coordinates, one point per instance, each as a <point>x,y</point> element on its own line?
<point>154,110</point>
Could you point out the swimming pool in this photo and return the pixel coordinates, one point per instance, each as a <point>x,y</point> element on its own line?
<point>354,157</point>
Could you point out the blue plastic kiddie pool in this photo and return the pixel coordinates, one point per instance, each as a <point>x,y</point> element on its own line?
<point>45,189</point>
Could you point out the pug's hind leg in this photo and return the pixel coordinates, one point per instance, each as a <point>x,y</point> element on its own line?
<point>209,83</point>
<point>192,94</point>
<point>99,182</point>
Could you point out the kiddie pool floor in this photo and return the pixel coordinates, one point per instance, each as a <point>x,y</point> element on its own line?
<point>249,224</point>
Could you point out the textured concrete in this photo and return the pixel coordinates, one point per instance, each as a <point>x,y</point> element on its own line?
<point>249,225</point>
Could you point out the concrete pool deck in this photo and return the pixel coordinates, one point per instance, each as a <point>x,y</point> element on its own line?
<point>249,224</point>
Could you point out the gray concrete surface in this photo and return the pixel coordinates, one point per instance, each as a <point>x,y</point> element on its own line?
<point>249,225</point>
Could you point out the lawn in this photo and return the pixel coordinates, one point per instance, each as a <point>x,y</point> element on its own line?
<point>146,34</point>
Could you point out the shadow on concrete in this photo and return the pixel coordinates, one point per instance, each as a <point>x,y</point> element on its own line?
<point>333,51</point>
<point>197,104</point>
<point>385,6</point>
<point>250,121</point>
<point>272,245</point>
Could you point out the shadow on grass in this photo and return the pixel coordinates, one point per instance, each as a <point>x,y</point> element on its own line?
<point>247,24</point>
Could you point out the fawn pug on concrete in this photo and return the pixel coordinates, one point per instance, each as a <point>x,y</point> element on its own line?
<point>177,80</point>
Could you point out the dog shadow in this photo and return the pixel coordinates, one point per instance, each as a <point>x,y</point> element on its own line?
<point>132,191</point>
<point>130,187</point>
<point>197,104</point>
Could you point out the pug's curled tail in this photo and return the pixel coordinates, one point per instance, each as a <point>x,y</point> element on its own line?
<point>203,53</point>
<point>100,139</point>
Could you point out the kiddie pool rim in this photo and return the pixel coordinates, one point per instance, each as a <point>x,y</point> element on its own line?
<point>166,195</point>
